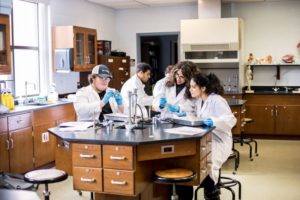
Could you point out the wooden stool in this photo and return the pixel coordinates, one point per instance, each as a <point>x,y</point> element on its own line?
<point>174,176</point>
<point>45,176</point>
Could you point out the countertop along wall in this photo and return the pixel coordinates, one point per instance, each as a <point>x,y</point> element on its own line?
<point>85,14</point>
<point>271,28</point>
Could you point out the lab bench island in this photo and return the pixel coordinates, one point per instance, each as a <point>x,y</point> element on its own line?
<point>117,164</point>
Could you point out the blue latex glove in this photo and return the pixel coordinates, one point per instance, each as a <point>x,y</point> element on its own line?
<point>118,98</point>
<point>208,122</point>
<point>173,108</point>
<point>162,102</point>
<point>181,114</point>
<point>107,96</point>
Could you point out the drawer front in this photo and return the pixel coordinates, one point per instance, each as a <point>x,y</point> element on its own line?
<point>166,150</point>
<point>203,147</point>
<point>3,125</point>
<point>117,157</point>
<point>84,155</point>
<point>208,143</point>
<point>87,179</point>
<point>19,121</point>
<point>119,182</point>
<point>203,170</point>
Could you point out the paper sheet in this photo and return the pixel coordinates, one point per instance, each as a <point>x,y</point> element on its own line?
<point>185,130</point>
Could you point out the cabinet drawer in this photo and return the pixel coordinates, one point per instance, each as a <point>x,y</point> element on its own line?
<point>117,157</point>
<point>119,181</point>
<point>166,150</point>
<point>87,179</point>
<point>19,121</point>
<point>3,125</point>
<point>84,155</point>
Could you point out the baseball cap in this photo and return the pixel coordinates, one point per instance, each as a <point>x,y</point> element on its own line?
<point>102,70</point>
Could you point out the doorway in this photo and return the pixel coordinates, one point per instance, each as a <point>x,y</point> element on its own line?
<point>159,50</point>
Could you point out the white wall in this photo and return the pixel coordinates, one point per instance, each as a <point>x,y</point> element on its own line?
<point>85,14</point>
<point>271,28</point>
<point>149,20</point>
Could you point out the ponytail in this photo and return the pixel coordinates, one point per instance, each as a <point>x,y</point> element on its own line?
<point>214,85</point>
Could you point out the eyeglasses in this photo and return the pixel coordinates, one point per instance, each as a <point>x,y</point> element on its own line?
<point>104,78</point>
<point>178,76</point>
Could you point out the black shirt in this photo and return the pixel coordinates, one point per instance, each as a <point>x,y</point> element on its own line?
<point>106,108</point>
<point>179,88</point>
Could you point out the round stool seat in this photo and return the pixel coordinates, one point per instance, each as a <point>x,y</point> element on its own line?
<point>175,175</point>
<point>45,176</point>
<point>248,120</point>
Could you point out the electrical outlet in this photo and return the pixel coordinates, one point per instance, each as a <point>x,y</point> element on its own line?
<point>45,137</point>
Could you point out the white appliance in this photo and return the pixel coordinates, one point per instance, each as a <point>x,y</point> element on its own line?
<point>211,40</point>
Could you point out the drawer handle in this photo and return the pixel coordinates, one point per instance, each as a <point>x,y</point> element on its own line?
<point>209,142</point>
<point>118,182</point>
<point>117,157</point>
<point>87,155</point>
<point>20,121</point>
<point>7,144</point>
<point>88,180</point>
<point>12,143</point>
<point>203,148</point>
<point>203,171</point>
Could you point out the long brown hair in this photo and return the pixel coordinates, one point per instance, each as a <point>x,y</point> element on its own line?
<point>188,70</point>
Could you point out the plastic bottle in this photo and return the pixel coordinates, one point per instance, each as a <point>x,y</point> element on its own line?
<point>53,95</point>
<point>4,98</point>
<point>10,100</point>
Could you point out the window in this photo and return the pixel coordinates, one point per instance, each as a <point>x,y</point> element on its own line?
<point>29,27</point>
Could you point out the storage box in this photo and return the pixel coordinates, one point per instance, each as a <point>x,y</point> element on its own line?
<point>103,47</point>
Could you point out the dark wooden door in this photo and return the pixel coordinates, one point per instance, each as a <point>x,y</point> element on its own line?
<point>21,150</point>
<point>287,119</point>
<point>264,119</point>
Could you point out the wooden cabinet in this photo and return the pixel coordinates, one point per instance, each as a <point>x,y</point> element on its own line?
<point>21,143</point>
<point>120,68</point>
<point>5,54</point>
<point>279,116</point>
<point>4,145</point>
<point>82,40</point>
<point>239,113</point>
<point>42,120</point>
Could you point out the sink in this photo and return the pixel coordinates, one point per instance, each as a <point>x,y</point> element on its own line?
<point>37,104</point>
<point>136,128</point>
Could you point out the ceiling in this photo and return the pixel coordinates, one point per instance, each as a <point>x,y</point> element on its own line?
<point>124,4</point>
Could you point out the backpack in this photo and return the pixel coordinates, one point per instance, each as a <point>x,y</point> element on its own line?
<point>16,182</point>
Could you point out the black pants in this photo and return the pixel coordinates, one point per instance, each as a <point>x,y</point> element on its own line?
<point>187,193</point>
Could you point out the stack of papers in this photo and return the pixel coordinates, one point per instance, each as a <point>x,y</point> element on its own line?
<point>185,130</point>
<point>75,126</point>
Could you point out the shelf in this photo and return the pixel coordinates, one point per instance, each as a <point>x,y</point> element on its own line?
<point>277,67</point>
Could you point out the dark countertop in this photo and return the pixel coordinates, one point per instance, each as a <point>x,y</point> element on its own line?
<point>236,102</point>
<point>268,90</point>
<point>121,137</point>
<point>27,108</point>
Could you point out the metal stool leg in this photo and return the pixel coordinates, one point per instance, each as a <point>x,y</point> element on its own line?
<point>240,190</point>
<point>196,193</point>
<point>174,195</point>
<point>46,192</point>
<point>92,196</point>
<point>250,150</point>
<point>232,192</point>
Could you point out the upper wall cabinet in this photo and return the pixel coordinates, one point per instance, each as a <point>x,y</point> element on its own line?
<point>82,41</point>
<point>4,45</point>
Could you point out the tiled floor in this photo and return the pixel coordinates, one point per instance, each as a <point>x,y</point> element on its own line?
<point>274,175</point>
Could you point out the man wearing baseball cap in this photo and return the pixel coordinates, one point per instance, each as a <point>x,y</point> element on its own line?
<point>97,98</point>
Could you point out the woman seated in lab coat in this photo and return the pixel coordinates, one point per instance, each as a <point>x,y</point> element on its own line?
<point>174,95</point>
<point>215,111</point>
<point>97,99</point>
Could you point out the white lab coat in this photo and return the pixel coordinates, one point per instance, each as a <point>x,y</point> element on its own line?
<point>87,104</point>
<point>217,108</point>
<point>159,85</point>
<point>142,98</point>
<point>186,105</point>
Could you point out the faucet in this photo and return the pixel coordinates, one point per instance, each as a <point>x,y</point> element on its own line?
<point>287,89</point>
<point>132,104</point>
<point>4,82</point>
<point>26,90</point>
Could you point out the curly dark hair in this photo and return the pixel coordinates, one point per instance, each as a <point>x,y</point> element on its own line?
<point>188,69</point>
<point>211,82</point>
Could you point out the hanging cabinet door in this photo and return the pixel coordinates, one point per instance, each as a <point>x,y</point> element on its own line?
<point>79,49</point>
<point>91,48</point>
<point>4,45</point>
